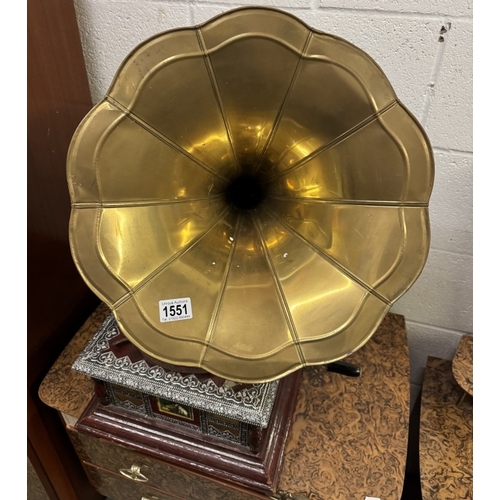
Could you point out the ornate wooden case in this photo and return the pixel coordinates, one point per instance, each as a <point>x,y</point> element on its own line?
<point>192,417</point>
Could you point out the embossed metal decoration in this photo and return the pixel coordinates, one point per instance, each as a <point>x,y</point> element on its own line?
<point>250,197</point>
<point>251,404</point>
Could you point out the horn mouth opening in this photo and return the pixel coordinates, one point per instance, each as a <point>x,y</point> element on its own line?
<point>262,172</point>
<point>246,191</point>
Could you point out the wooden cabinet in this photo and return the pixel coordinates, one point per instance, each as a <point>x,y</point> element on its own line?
<point>117,487</point>
<point>348,436</point>
<point>119,467</point>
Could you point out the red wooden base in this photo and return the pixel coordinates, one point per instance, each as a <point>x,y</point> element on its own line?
<point>197,452</point>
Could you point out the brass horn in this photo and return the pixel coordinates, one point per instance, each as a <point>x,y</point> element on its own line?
<point>250,197</point>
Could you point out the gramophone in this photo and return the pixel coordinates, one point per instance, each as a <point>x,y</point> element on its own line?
<point>250,198</point>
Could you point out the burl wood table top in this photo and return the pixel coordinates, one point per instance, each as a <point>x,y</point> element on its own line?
<point>462,364</point>
<point>445,435</point>
<point>63,389</point>
<point>349,435</point>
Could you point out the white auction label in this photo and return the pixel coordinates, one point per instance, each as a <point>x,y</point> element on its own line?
<point>175,309</point>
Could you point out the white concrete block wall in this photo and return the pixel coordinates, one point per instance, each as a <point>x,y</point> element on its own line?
<point>431,71</point>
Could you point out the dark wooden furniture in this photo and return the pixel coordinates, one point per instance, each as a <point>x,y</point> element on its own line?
<point>251,467</point>
<point>348,436</point>
<point>59,301</point>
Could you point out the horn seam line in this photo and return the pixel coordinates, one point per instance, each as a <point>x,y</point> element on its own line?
<point>217,94</point>
<point>222,291</point>
<point>364,203</point>
<point>402,151</point>
<point>148,128</point>
<point>281,293</point>
<point>401,250</point>
<point>281,110</point>
<point>334,142</point>
<point>253,35</point>
<point>97,247</point>
<point>132,204</point>
<point>97,152</point>
<point>132,290</point>
<point>333,261</point>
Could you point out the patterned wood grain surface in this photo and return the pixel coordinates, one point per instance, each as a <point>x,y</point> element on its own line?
<point>445,435</point>
<point>62,388</point>
<point>349,435</point>
<point>462,364</point>
<point>166,478</point>
<point>117,487</point>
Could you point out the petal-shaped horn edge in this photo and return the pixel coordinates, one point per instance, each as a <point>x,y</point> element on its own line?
<point>250,197</point>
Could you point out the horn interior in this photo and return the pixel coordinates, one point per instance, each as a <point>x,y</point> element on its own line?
<point>259,180</point>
